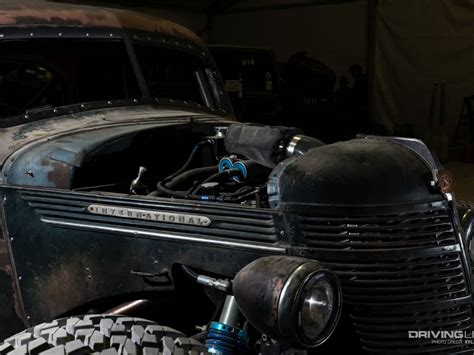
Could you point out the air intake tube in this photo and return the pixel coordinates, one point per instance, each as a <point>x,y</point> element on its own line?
<point>267,145</point>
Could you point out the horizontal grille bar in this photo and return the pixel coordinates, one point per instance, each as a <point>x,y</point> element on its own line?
<point>431,227</point>
<point>399,271</point>
<point>383,332</point>
<point>411,280</point>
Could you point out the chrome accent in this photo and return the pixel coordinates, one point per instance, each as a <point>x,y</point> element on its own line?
<point>137,183</point>
<point>221,285</point>
<point>148,215</point>
<point>145,234</point>
<point>290,149</point>
<point>230,314</point>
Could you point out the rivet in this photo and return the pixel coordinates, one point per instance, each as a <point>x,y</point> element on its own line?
<point>82,106</point>
<point>2,35</point>
<point>60,34</point>
<point>12,239</point>
<point>109,102</point>
<point>4,198</point>
<point>87,34</point>
<point>55,110</point>
<point>89,277</point>
<point>26,116</point>
<point>111,35</point>
<point>32,34</point>
<point>19,278</point>
<point>28,317</point>
<point>135,100</point>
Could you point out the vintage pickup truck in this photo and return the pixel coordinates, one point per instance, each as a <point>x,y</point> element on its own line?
<point>127,186</point>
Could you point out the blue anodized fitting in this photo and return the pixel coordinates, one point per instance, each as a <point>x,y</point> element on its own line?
<point>224,339</point>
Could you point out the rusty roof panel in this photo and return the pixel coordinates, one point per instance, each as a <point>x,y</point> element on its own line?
<point>35,14</point>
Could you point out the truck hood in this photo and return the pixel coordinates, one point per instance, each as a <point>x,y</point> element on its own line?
<point>14,138</point>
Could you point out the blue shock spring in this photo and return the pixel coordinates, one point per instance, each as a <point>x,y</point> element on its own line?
<point>224,339</point>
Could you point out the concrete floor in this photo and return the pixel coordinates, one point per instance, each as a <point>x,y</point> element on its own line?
<point>463,174</point>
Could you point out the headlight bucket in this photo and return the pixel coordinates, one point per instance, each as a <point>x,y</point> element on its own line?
<point>294,300</point>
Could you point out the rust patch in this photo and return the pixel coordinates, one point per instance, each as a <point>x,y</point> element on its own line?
<point>60,175</point>
<point>55,14</point>
<point>17,306</point>
<point>446,181</point>
<point>70,282</point>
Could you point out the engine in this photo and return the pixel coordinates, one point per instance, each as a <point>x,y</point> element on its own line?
<point>245,155</point>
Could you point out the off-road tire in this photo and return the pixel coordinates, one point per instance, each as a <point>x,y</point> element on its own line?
<point>100,334</point>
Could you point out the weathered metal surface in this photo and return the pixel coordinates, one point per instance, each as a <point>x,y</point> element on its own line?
<point>53,162</point>
<point>13,138</point>
<point>73,265</point>
<point>11,308</point>
<point>14,13</point>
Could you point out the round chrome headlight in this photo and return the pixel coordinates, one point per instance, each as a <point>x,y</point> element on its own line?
<point>296,301</point>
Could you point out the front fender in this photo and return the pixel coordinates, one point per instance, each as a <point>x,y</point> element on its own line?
<point>12,318</point>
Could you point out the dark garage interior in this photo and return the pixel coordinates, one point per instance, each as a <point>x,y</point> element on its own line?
<point>236,177</point>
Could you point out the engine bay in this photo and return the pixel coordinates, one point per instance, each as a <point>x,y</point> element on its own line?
<point>230,164</point>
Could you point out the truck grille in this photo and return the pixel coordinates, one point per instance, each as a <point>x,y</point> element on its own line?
<point>400,271</point>
<point>426,228</point>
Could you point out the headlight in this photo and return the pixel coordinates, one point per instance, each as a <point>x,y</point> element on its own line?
<point>294,300</point>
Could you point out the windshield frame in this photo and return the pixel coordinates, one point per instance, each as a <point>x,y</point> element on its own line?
<point>216,101</point>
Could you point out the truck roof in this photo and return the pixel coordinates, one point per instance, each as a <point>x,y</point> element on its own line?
<point>40,14</point>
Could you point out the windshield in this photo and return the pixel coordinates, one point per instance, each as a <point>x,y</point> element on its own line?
<point>172,73</point>
<point>47,73</point>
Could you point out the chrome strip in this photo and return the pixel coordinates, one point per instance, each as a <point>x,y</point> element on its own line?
<point>164,236</point>
<point>290,150</point>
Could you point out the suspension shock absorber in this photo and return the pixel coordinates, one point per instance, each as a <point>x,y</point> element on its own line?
<point>226,337</point>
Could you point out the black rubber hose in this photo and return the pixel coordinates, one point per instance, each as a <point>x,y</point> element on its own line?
<point>217,176</point>
<point>196,148</point>
<point>190,272</point>
<point>182,178</point>
<point>189,174</point>
<point>161,188</point>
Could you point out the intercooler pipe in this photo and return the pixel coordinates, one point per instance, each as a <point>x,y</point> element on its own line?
<point>300,144</point>
<point>267,145</point>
